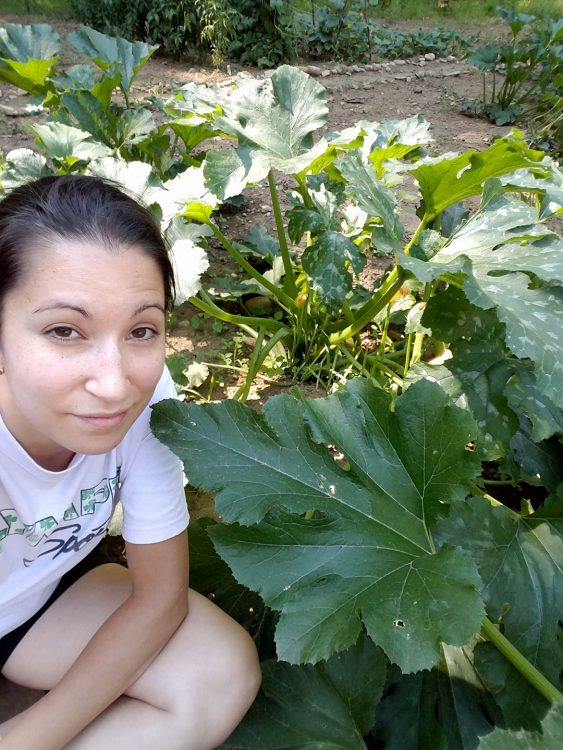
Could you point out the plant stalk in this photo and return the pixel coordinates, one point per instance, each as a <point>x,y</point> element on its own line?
<point>278,293</point>
<point>289,279</point>
<point>385,293</point>
<point>216,312</point>
<point>519,662</point>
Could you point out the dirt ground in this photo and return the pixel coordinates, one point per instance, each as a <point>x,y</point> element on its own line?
<point>394,90</point>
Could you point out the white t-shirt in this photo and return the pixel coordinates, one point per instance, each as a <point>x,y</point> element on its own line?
<point>49,520</point>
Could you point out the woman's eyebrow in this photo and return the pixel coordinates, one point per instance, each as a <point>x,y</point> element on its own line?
<point>61,306</point>
<point>82,311</point>
<point>142,308</point>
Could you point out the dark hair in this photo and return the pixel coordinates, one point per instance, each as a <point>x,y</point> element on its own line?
<point>76,207</point>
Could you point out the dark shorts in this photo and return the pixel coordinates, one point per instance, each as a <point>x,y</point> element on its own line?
<point>92,560</point>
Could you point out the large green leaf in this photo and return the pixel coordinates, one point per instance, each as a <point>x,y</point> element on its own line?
<point>480,368</point>
<point>444,709</point>
<point>396,139</point>
<point>38,41</point>
<point>133,126</point>
<point>549,738</point>
<point>521,565</point>
<point>192,133</point>
<point>330,705</point>
<point>91,114</point>
<point>375,199</point>
<point>31,75</point>
<point>362,551</point>
<point>134,177</point>
<point>67,145</point>
<point>496,275</point>
<point>22,165</point>
<point>524,396</point>
<point>115,53</point>
<point>229,171</point>
<point>274,121</point>
<point>211,577</point>
<point>327,263</point>
<point>187,194</point>
<point>28,55</point>
<point>546,182</point>
<point>539,463</point>
<point>448,181</point>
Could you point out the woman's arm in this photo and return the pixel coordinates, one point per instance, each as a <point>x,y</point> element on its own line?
<point>119,651</point>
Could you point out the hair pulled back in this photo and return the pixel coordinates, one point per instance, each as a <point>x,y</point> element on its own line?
<point>81,208</point>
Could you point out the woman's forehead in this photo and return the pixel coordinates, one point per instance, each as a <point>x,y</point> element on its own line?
<point>83,267</point>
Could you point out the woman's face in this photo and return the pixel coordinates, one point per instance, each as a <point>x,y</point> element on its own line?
<point>82,346</point>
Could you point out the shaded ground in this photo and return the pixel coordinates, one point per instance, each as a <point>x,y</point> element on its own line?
<point>395,90</point>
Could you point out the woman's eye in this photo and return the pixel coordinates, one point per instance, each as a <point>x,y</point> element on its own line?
<point>65,333</point>
<point>143,334</point>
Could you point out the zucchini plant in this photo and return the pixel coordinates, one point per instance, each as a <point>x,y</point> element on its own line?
<point>91,111</point>
<point>390,586</point>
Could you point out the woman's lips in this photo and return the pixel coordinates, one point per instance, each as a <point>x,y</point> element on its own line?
<point>103,421</point>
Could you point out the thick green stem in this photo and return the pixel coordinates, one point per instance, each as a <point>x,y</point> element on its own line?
<point>408,355</point>
<point>385,293</point>
<point>419,337</point>
<point>519,662</point>
<point>278,293</point>
<point>289,278</point>
<point>240,320</point>
<point>303,192</point>
<point>259,354</point>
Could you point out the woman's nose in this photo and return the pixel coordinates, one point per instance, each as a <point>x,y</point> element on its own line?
<point>108,378</point>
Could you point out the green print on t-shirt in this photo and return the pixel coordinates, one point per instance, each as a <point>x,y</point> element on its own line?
<point>34,533</point>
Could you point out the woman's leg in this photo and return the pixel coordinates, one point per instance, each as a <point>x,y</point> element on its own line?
<point>190,697</point>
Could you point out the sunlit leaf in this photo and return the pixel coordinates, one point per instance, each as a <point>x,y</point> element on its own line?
<point>67,144</point>
<point>549,738</point>
<point>38,41</point>
<point>113,52</point>
<point>450,180</point>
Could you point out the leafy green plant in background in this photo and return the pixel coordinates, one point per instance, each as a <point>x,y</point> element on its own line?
<point>177,27</point>
<point>524,77</point>
<point>346,31</point>
<point>265,33</point>
<point>87,120</point>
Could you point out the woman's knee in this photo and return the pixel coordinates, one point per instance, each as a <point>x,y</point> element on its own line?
<point>227,677</point>
<point>230,676</point>
<point>228,687</point>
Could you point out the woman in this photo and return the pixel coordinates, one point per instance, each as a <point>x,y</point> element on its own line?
<point>129,660</point>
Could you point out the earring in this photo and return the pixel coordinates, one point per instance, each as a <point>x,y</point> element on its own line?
<point>2,370</point>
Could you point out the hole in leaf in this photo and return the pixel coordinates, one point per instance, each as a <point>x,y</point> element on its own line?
<point>399,624</point>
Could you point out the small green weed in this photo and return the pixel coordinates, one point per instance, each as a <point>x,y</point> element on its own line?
<point>524,76</point>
